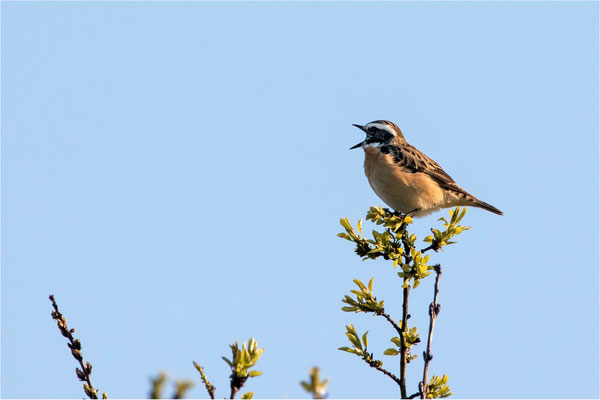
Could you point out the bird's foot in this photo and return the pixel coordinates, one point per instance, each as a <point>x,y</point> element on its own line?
<point>393,213</point>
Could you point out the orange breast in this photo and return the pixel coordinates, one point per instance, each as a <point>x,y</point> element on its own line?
<point>402,190</point>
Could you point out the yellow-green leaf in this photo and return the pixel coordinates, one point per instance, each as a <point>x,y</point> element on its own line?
<point>391,352</point>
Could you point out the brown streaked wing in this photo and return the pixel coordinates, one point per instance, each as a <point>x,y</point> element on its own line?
<point>413,160</point>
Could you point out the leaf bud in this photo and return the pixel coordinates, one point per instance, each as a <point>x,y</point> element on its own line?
<point>76,354</point>
<point>80,375</point>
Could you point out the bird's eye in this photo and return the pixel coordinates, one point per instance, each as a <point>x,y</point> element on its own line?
<point>372,129</point>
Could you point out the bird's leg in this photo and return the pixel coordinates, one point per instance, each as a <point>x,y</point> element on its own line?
<point>413,211</point>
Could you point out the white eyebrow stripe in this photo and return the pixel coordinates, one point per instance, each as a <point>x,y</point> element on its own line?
<point>382,127</point>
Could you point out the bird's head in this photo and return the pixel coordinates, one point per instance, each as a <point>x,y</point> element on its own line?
<point>379,133</point>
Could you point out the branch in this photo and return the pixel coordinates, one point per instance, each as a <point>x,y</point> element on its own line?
<point>156,385</point>
<point>209,386</point>
<point>181,388</point>
<point>403,347</point>
<point>241,361</point>
<point>391,321</point>
<point>430,247</point>
<point>84,374</point>
<point>405,316</point>
<point>236,384</point>
<point>314,385</point>
<point>385,371</point>
<point>434,310</point>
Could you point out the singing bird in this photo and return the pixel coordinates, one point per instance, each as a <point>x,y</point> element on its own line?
<point>406,179</point>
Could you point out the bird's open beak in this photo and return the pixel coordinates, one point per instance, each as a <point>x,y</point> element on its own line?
<point>361,143</point>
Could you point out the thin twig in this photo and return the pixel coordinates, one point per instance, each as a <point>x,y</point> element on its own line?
<point>236,384</point>
<point>405,317</point>
<point>391,321</point>
<point>157,384</point>
<point>388,373</point>
<point>412,396</point>
<point>181,388</point>
<point>434,310</point>
<point>209,386</point>
<point>234,391</point>
<point>403,347</point>
<point>83,374</point>
<point>430,247</point>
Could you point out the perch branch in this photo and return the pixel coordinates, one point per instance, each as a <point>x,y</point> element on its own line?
<point>434,310</point>
<point>83,374</point>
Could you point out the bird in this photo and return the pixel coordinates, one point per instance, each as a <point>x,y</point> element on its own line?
<point>406,179</point>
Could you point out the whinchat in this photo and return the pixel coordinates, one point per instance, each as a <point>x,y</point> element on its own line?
<point>406,179</point>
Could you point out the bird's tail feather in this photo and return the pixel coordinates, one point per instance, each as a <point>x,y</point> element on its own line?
<point>488,207</point>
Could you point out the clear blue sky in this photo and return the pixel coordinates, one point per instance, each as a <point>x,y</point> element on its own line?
<point>175,172</point>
